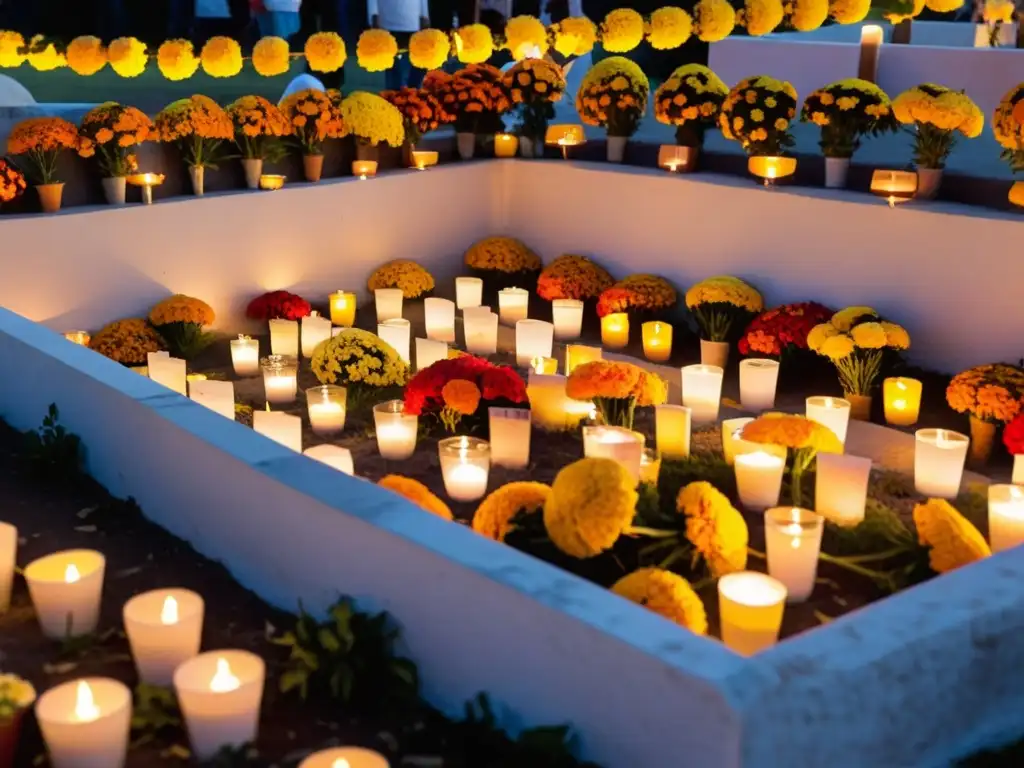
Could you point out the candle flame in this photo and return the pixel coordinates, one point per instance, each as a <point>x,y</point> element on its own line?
<point>899,405</point>
<point>1015,492</point>
<point>223,680</point>
<point>362,177</point>
<point>828,402</point>
<point>900,385</point>
<point>243,337</point>
<point>169,614</point>
<point>795,542</point>
<point>341,762</point>
<point>592,414</point>
<point>71,574</point>
<point>892,201</point>
<point>268,406</point>
<point>85,706</point>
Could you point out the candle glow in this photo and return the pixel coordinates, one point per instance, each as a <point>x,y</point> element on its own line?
<point>615,330</point>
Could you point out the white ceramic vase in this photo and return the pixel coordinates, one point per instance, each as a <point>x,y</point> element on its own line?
<point>253,167</point>
<point>617,148</point>
<point>466,143</point>
<point>114,189</point>
<point>836,170</point>
<point>198,175</point>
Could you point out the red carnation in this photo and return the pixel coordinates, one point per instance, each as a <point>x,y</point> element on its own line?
<point>278,305</point>
<point>1013,435</point>
<point>782,329</point>
<point>423,393</point>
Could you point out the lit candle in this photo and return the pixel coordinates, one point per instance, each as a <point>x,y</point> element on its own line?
<point>672,157</point>
<point>333,456</point>
<point>284,338</point>
<point>750,606</point>
<point>345,757</point>
<point>364,169</point>
<point>545,365</point>
<point>792,542</point>
<point>1005,516</point>
<point>397,332</point>
<point>534,338</point>
<point>164,629</point>
<point>343,308</point>
<point>618,443</point>
<point>8,560</point>
<point>280,379</point>
<point>832,412</point>
<point>513,305</point>
<point>389,303</point>
<point>902,398</point>
<point>167,370</point>
<point>870,47</point>
<point>66,588</point>
<point>578,354</point>
<point>657,338</point>
<point>422,159</point>
<point>841,488</point>
<point>245,356</point>
<point>218,396</point>
<point>509,432</point>
<point>327,406</point>
<point>505,145</point>
<point>78,337</point>
<point>469,292</point>
<point>85,723</point>
<point>615,330</point>
<point>548,401</point>
<point>567,316</point>
<point>315,329</point>
<point>439,318</point>
<point>480,327</point>
<point>939,457</point>
<point>759,479</point>
<point>672,431</point>
<point>396,430</point>
<point>650,466</point>
<point>280,427</point>
<point>732,431</point>
<point>702,391</point>
<point>219,694</point>
<point>758,381</point>
<point>429,352</point>
<point>465,462</point>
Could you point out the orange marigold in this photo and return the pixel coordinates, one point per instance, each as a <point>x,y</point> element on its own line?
<point>952,539</point>
<point>417,493</point>
<point>991,392</point>
<point>572,277</point>
<point>462,396</point>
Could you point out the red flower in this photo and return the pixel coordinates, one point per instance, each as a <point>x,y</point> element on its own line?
<point>496,382</point>
<point>1013,435</point>
<point>784,328</point>
<point>278,305</point>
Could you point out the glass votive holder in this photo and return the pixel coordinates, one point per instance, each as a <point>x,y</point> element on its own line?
<point>534,339</point>
<point>245,356</point>
<point>792,542</point>
<point>66,589</point>
<point>939,457</point>
<point>469,292</point>
<point>567,317</point>
<point>657,338</point>
<point>578,354</point>
<point>343,308</point>
<point>702,391</point>
<point>650,466</point>
<point>280,379</point>
<point>759,378</point>
<point>832,412</point>
<point>480,329</point>
<point>750,607</point>
<point>615,330</point>
<point>672,430</point>
<point>396,430</point>
<point>759,479</point>
<point>284,337</point>
<point>397,332</point>
<point>513,305</point>
<point>902,400</point>
<point>315,329</point>
<point>623,445</point>
<point>465,464</point>
<point>439,319</point>
<point>389,303</point>
<point>345,757</point>
<point>334,456</point>
<point>326,405</point>
<point>1005,516</point>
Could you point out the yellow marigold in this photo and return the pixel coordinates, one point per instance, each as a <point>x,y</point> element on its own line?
<point>844,319</point>
<point>11,44</point>
<point>221,57</point>
<point>575,36</point>
<point>940,107</point>
<point>474,43</point>
<point>128,342</point>
<point>667,594</point>
<point>197,116</point>
<point>127,56</point>
<point>86,55</point>
<point>325,52</point>
<point>869,335</point>
<point>315,117</point>
<point>806,15</point>
<point>493,518</point>
<point>604,378</point>
<point>849,11</point>
<point>177,59</point>
<point>896,336</point>
<point>592,503</point>
<point>376,50</point>
<point>255,117</point>
<point>428,49</point>
<point>622,30</point>
<point>417,493</point>
<point>461,396</point>
<point>760,16</point>
<point>43,55</point>
<point>725,290</point>
<point>526,38</point>
<point>944,6</point>
<point>356,356</point>
<point>648,293</point>
<point>1001,11</point>
<point>670,27</point>
<point>271,56</point>
<point>16,694</point>
<point>413,279</point>
<point>713,20</point>
<point>791,431</point>
<point>182,309</point>
<point>818,334</point>
<point>372,119</point>
<point>504,254</point>
<point>837,347</point>
<point>952,539</point>
<point>717,531</point>
<point>572,277</point>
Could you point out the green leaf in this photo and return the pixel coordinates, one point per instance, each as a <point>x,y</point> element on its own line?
<point>293,678</point>
<point>328,640</point>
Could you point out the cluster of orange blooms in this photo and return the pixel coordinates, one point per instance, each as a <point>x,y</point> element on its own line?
<point>197,116</point>
<point>181,309</point>
<point>617,381</point>
<point>314,117</point>
<point>991,392</point>
<point>421,111</point>
<point>12,182</point>
<point>645,293</point>
<point>255,116</point>
<point>42,134</point>
<point>471,92</point>
<point>573,277</point>
<point>115,130</point>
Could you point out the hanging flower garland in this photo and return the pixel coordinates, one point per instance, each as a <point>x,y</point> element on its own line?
<point>177,60</point>
<point>376,50</point>
<point>86,55</point>
<point>271,56</point>
<point>429,49</point>
<point>325,52</point>
<point>222,57</point>
<point>127,56</point>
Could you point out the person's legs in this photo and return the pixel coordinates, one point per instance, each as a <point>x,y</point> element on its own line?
<point>401,73</point>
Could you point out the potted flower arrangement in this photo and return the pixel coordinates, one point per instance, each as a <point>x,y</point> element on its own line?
<point>259,131</point>
<point>846,111</point>
<point>502,262</point>
<point>421,113</point>
<point>314,117</point>
<point>935,115</point>
<point>757,113</point>
<point>16,696</point>
<point>616,389</point>
<point>991,394</point>
<point>128,341</point>
<point>373,121</point>
<point>690,100</point>
<point>12,182</point>
<point>1008,128</point>
<point>358,359</point>
<point>804,438</point>
<point>198,126</point>
<point>722,307</point>
<point>648,296</point>
<point>414,280</point>
<point>781,333</point>
<point>856,341</point>
<point>997,24</point>
<point>534,86</point>
<point>40,140</point>
<point>278,305</point>
<point>613,95</point>
<point>573,277</point>
<point>179,320</point>
<point>1013,439</point>
<point>114,131</point>
<point>478,99</point>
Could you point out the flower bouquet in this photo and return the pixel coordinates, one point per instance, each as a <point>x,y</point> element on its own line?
<point>1008,128</point>
<point>935,115</point>
<point>616,389</point>
<point>648,296</point>
<point>613,95</point>
<point>782,331</point>
<point>278,305</point>
<point>128,342</point>
<point>373,121</point>
<point>856,340</point>
<point>992,395</point>
<point>1013,439</point>
<point>315,117</point>
<point>198,126</point>
<point>414,280</point>
<point>459,392</point>
<point>40,140</point>
<point>996,29</point>
<point>757,113</point>
<point>534,86</point>
<point>573,277</point>
<point>479,99</point>
<point>846,111</point>
<point>421,113</point>
<point>502,262</point>
<point>496,515</point>
<point>690,100</point>
<point>260,128</point>
<point>356,358</point>
<point>12,182</point>
<point>721,306</point>
<point>16,696</point>
<point>805,438</point>
<point>180,320</point>
<point>114,132</point>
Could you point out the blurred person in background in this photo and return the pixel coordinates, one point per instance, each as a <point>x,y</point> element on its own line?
<point>279,18</point>
<point>401,18</point>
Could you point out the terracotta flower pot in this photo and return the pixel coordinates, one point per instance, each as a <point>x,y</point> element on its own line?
<point>983,435</point>
<point>114,189</point>
<point>50,196</point>
<point>860,406</point>
<point>714,353</point>
<point>253,167</point>
<point>313,167</point>
<point>928,182</point>
<point>10,733</point>
<point>198,175</point>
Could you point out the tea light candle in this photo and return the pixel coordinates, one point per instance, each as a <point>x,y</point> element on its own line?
<point>548,401</point>
<point>650,466</point>
<point>657,341</point>
<point>534,338</point>
<point>902,397</point>
<point>750,607</point>
<point>505,145</point>
<point>218,396</point>
<point>567,316</point>
<point>396,430</point>
<point>343,308</point>
<point>439,318</point>
<point>513,305</point>
<point>939,457</point>
<point>280,379</point>
<point>759,479</point>
<point>423,159</point>
<point>672,431</point>
<point>8,560</point>
<point>333,456</point>
<point>219,693</point>
<point>702,391</point>
<point>66,588</point>
<point>326,405</point>
<point>792,542</point>
<point>545,365</point>
<point>280,427</point>
<point>164,629</point>
<point>78,337</point>
<point>389,303</point>
<point>245,356</point>
<point>510,437</point>
<point>758,381</point>
<point>465,462</point>
<point>167,370</point>
<point>832,412</point>
<point>480,327</point>
<point>623,445</point>
<point>578,354</point>
<point>429,352</point>
<point>364,169</point>
<point>1005,516</point>
<point>284,338</point>
<point>469,292</point>
<point>398,334</point>
<point>314,330</point>
<point>85,723</point>
<point>841,488</point>
<point>732,430</point>
<point>345,757</point>
<point>615,330</point>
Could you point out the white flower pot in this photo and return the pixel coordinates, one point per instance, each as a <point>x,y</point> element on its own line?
<point>114,189</point>
<point>714,353</point>
<point>928,182</point>
<point>526,147</point>
<point>1005,38</point>
<point>198,175</point>
<point>617,148</point>
<point>466,143</point>
<point>836,169</point>
<point>253,167</point>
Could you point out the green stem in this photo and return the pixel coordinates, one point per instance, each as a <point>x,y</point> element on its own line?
<point>653,533</point>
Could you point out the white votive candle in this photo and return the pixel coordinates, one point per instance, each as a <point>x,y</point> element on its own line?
<point>315,329</point>
<point>389,303</point>
<point>396,430</point>
<point>397,332</point>
<point>578,354</point>
<point>327,406</point>
<point>280,379</point>
<point>469,292</point>
<point>567,317</point>
<point>832,412</point>
<point>759,479</point>
<point>902,400</point>
<point>792,542</point>
<point>618,443</point>
<point>509,434</point>
<point>219,693</point>
<point>284,337</point>
<point>85,723</point>
<point>280,427</point>
<point>534,338</point>
<point>732,437</point>
<point>245,356</point>
<point>465,464</point>
<point>615,330</point>
<point>758,381</point>
<point>66,588</point>
<point>439,318</point>
<point>841,488</point>
<point>750,607</point>
<point>548,401</point>
<point>345,757</point>
<point>702,391</point>
<point>1005,516</point>
<point>167,370</point>
<point>429,352</point>
<point>480,328</point>
<point>513,305</point>
<point>657,340</point>
<point>1018,469</point>
<point>672,431</point>
<point>939,457</point>
<point>8,560</point>
<point>164,629</point>
<point>333,456</point>
<point>218,396</point>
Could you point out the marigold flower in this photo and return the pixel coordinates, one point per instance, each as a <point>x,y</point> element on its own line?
<point>717,531</point>
<point>896,336</point>
<point>315,117</point>
<point>181,309</point>
<point>356,356</point>
<point>713,20</point>
<point>177,59</point>
<point>43,55</point>
<point>271,56</point>
<point>461,396</point>
<point>86,55</point>
<point>474,43</point>
<point>792,431</point>
<point>127,56</point>
<point>844,319</point>
<point>869,335</point>
<point>325,52</point>
<point>614,92</point>
<point>944,6</point>
<point>413,279</point>
<point>526,37</point>
<point>429,49</point>
<point>952,539</point>
<point>806,15</point>
<point>12,182</point>
<point>819,333</point>
<point>128,342</point>
<point>372,119</point>
<point>493,518</point>
<point>116,131</point>
<point>669,28</point>
<point>16,694</point>
<point>604,378</point>
<point>991,392</point>
<point>572,277</point>
<point>849,11</point>
<point>11,44</point>
<point>503,254</point>
<point>667,594</point>
<point>760,17</point>
<point>574,36</point>
<point>592,503</point>
<point>417,493</point>
<point>221,57</point>
<point>725,290</point>
<point>646,293</point>
<point>938,107</point>
<point>376,50</point>
<point>837,347</point>
<point>622,30</point>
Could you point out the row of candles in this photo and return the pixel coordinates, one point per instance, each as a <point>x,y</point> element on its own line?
<point>86,722</point>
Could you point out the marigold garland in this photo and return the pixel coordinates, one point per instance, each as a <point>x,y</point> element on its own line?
<point>951,538</point>
<point>177,60</point>
<point>127,56</point>
<point>356,356</point>
<point>760,17</point>
<point>805,15</point>
<point>574,36</point>
<point>713,20</point>
<point>502,254</point>
<point>622,30</point>
<point>573,277</point>
<point>376,50</point>
<point>372,119</point>
<point>474,43</point>
<point>716,529</point>
<point>128,342</point>
<point>416,492</point>
<point>592,503</point>
<point>493,518</point>
<point>429,49</point>
<point>669,28</point>
<point>11,46</point>
<point>992,392</point>
<point>12,182</point>
<point>413,279</point>
<point>221,57</point>
<point>271,56</point>
<point>526,37</point>
<point>86,55</point>
<point>325,52</point>
<point>667,594</point>
<point>43,56</point>
<point>944,6</point>
<point>849,11</point>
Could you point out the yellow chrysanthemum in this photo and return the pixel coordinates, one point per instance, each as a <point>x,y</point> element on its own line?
<point>849,11</point>
<point>869,336</point>
<point>271,56</point>
<point>181,309</point>
<point>16,694</point>
<point>806,15</point>
<point>944,6</point>
<point>376,50</point>
<point>669,28</point>
<point>622,30</point>
<point>127,56</point>
<point>428,49</point>
<point>715,528</point>
<point>818,334</point>
<point>725,290</point>
<point>128,341</point>
<point>177,59</point>
<point>504,254</point>
<point>1001,11</point>
<point>86,55</point>
<point>356,356</point>
<point>11,44</point>
<point>474,43</point>
<point>667,594</point>
<point>413,279</point>
<point>837,347</point>
<point>713,20</point>
<point>325,52</point>
<point>417,493</point>
<point>844,319</point>
<point>575,36</point>
<point>592,502</point>
<point>526,38</point>
<point>493,518</point>
<point>221,57</point>
<point>896,336</point>
<point>43,56</point>
<point>372,119</point>
<point>760,16</point>
<point>952,539</point>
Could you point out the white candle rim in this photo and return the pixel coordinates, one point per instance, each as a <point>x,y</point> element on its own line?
<point>761,459</point>
<point>246,666</point>
<point>707,370</point>
<point>189,604</point>
<point>931,435</point>
<point>395,407</point>
<point>808,521</point>
<point>465,447</point>
<point>86,561</point>
<point>771,591</point>
<point>826,401</point>
<point>759,362</point>
<point>362,757</point>
<point>49,706</point>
